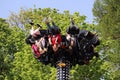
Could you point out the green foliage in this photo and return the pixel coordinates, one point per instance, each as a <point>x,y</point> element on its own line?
<point>21,63</point>
<point>107,13</point>
<point>18,63</point>
<point>27,67</point>
<point>90,72</point>
<point>109,22</point>
<point>11,41</point>
<point>38,15</point>
<point>4,32</point>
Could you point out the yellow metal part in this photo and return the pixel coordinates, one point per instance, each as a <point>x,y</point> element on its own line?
<point>61,64</point>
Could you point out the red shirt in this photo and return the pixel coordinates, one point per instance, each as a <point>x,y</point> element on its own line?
<point>56,39</point>
<point>35,50</point>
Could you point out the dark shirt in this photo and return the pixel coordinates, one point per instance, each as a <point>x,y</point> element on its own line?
<point>72,30</point>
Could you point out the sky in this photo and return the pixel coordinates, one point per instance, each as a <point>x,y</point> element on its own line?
<point>84,7</point>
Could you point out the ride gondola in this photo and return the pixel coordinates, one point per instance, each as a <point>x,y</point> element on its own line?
<point>64,51</point>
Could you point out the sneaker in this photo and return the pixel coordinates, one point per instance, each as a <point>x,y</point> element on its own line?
<point>38,25</point>
<point>31,23</point>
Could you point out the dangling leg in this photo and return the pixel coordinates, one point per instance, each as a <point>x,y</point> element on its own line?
<point>57,29</point>
<point>34,32</point>
<point>54,26</point>
<point>48,25</point>
<point>32,29</point>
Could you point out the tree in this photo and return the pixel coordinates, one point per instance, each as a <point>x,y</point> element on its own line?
<point>107,11</point>
<point>107,15</point>
<point>24,65</point>
<point>4,32</point>
<point>11,41</point>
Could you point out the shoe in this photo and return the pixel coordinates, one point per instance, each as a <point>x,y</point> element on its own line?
<point>38,25</point>
<point>31,23</point>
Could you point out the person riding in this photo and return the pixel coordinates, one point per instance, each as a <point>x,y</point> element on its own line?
<point>33,38</point>
<point>72,31</point>
<point>54,36</point>
<point>34,34</point>
<point>88,41</point>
